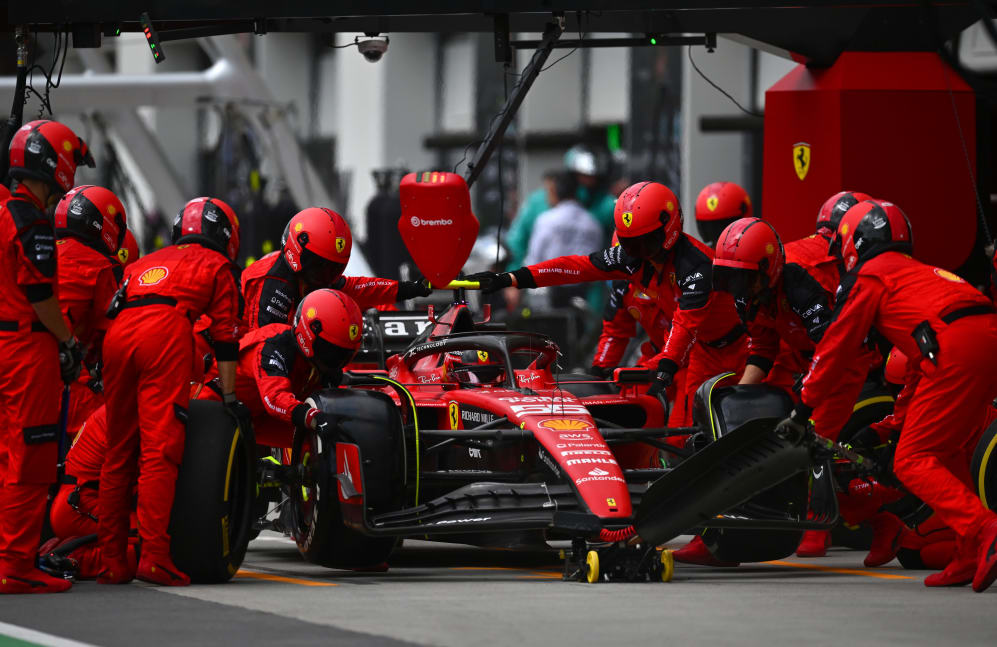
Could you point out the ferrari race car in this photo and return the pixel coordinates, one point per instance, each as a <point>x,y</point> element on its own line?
<point>462,432</point>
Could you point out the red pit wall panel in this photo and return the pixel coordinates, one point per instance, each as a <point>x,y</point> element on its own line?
<point>883,124</point>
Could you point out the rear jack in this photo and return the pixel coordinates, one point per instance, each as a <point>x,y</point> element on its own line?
<point>616,562</point>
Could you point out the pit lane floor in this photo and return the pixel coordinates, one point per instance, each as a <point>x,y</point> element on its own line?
<point>446,594</point>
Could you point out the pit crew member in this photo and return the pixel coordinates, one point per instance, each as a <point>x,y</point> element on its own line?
<point>655,256</point>
<point>316,249</point>
<point>90,225</point>
<point>148,354</point>
<point>932,314</point>
<point>37,343</point>
<point>718,205</point>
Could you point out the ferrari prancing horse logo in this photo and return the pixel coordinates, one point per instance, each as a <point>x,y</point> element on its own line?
<point>340,245</point>
<point>801,159</point>
<point>627,218</point>
<point>454,415</point>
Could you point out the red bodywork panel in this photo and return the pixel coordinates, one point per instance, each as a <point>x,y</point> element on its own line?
<point>437,225</point>
<point>882,123</point>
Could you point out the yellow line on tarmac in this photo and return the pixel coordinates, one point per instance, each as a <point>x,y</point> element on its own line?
<point>841,571</point>
<point>280,578</point>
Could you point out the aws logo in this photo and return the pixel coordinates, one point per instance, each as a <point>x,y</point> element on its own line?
<point>153,276</point>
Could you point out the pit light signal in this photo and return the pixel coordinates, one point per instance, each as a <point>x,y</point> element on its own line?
<point>152,38</point>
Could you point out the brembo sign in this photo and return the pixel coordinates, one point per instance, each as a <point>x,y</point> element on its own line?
<point>422,222</point>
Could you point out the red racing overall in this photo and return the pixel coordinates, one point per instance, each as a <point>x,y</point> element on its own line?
<point>897,295</point>
<point>148,354</point>
<point>30,381</point>
<point>272,291</point>
<point>270,375</point>
<point>784,334</point>
<point>703,322</point>
<point>87,282</point>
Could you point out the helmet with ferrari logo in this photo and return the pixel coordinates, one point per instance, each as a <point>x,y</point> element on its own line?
<point>834,208</point>
<point>648,220</point>
<point>748,264</point>
<point>328,329</point>
<point>211,222</point>
<point>869,229</point>
<point>93,215</point>
<point>48,151</point>
<point>718,205</point>
<point>473,367</point>
<point>316,244</point>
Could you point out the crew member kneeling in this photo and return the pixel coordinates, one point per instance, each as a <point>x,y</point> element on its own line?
<point>927,312</point>
<point>148,357</point>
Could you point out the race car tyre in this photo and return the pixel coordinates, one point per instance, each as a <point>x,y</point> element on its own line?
<point>667,565</point>
<point>983,467</point>
<point>371,420</point>
<point>212,509</point>
<point>875,402</point>
<point>592,567</point>
<point>585,390</point>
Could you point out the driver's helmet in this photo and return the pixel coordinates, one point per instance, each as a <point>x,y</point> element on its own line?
<point>473,367</point>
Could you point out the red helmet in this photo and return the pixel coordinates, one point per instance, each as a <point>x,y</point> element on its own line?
<point>128,252</point>
<point>648,219</point>
<point>92,214</point>
<point>317,243</point>
<point>473,367</point>
<point>748,249</point>
<point>328,327</point>
<point>869,229</point>
<point>895,370</point>
<point>835,207</point>
<point>48,151</point>
<point>718,205</point>
<point>211,222</point>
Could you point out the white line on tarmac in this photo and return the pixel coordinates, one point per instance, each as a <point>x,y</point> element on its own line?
<point>37,637</point>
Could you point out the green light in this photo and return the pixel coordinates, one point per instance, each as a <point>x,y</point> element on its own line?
<point>117,32</point>
<point>613,137</point>
<point>654,41</point>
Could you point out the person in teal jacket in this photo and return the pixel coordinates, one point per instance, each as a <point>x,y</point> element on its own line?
<point>596,201</point>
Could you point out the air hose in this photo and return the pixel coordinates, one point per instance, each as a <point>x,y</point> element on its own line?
<point>605,534</point>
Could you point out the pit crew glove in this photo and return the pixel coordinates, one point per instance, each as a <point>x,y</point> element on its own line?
<point>70,360</point>
<point>412,289</point>
<point>239,411</point>
<point>492,282</point>
<point>664,377</point>
<point>796,425</point>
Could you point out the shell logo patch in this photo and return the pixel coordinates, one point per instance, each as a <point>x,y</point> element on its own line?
<point>111,210</point>
<point>298,227</point>
<point>948,276</point>
<point>123,255</point>
<point>564,424</point>
<point>627,218</point>
<point>340,244</point>
<point>634,312</point>
<point>770,249</point>
<point>844,229</point>
<point>66,146</point>
<point>153,275</point>
<point>354,331</point>
<point>482,356</point>
<point>712,202</point>
<point>801,159</point>
<point>670,206</point>
<point>310,313</point>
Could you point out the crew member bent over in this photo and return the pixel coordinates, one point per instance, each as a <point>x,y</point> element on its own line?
<point>36,344</point>
<point>933,314</point>
<point>148,355</point>
<point>676,269</point>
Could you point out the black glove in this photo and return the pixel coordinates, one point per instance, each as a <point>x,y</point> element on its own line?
<point>664,377</point>
<point>327,426</point>
<point>70,360</point>
<point>412,289</point>
<point>243,416</point>
<point>491,282</point>
<point>795,426</point>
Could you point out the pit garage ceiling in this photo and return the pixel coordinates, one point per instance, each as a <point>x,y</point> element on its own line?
<point>815,32</point>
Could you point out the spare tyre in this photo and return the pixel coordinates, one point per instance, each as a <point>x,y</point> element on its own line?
<point>216,486</point>
<point>371,420</point>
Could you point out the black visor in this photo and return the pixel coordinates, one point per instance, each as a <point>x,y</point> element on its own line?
<point>739,283</point>
<point>330,358</point>
<point>710,230</point>
<point>646,246</point>
<point>319,272</point>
